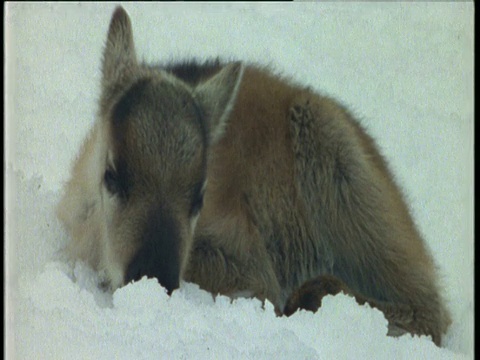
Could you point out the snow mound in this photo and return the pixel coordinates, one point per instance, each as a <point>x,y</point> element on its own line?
<point>143,322</point>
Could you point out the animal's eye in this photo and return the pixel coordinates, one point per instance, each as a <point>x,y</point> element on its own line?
<point>197,201</point>
<point>110,179</point>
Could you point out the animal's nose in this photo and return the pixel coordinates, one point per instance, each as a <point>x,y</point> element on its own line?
<point>158,255</point>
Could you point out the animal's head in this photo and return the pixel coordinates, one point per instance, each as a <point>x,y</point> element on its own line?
<point>159,131</point>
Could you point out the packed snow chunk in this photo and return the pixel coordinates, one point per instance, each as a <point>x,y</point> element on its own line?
<point>139,295</point>
<point>349,316</point>
<point>191,292</point>
<point>339,320</point>
<point>53,290</point>
<point>88,279</point>
<point>141,304</point>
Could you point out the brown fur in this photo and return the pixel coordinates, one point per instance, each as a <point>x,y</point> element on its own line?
<point>298,189</point>
<point>296,192</point>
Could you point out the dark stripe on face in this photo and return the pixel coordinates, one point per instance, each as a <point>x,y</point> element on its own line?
<point>127,102</point>
<point>159,255</point>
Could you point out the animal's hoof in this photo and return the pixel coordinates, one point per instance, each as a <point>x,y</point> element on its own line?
<point>309,296</point>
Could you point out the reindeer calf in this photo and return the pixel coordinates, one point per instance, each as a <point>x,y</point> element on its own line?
<point>240,181</point>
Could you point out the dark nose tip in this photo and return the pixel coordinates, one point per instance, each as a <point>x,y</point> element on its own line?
<point>158,257</point>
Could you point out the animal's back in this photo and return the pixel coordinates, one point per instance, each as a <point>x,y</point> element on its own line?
<point>297,183</point>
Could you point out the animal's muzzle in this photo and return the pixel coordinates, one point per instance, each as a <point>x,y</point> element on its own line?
<point>158,255</point>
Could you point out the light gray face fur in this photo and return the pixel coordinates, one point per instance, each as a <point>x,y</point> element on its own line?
<point>154,176</point>
<point>158,130</point>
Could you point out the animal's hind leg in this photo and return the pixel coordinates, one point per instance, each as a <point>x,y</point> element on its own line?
<point>401,317</point>
<point>361,219</point>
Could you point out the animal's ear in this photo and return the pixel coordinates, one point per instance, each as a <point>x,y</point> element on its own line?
<point>119,54</point>
<point>217,96</point>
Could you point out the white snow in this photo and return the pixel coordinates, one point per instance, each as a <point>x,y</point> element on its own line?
<point>405,69</point>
